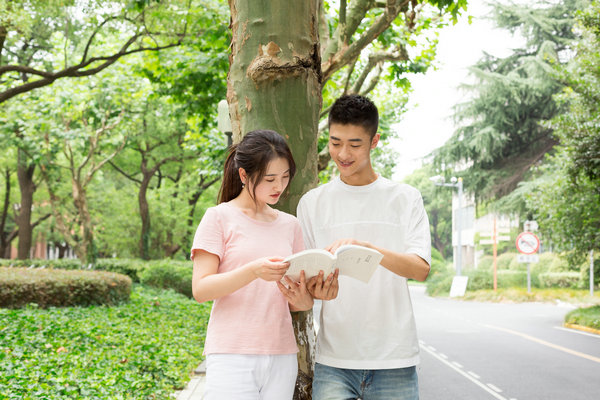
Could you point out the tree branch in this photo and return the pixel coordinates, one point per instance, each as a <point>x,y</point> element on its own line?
<point>74,71</point>
<point>338,60</point>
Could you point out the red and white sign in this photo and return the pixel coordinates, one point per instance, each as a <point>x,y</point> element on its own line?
<point>528,243</point>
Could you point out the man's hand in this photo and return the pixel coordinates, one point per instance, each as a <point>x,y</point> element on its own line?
<point>340,242</point>
<point>324,289</point>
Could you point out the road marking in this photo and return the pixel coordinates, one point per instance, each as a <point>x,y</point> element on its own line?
<point>495,388</point>
<point>456,364</point>
<point>473,374</point>
<point>445,357</point>
<point>577,331</point>
<point>466,375</point>
<point>543,342</point>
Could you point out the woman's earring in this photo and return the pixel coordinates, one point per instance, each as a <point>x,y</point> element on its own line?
<point>243,185</point>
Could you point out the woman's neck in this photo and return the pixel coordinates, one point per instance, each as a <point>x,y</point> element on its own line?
<point>256,210</point>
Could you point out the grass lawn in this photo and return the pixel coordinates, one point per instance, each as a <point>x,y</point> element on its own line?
<point>588,316</point>
<point>144,349</point>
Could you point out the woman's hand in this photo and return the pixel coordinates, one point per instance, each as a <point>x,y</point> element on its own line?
<point>270,268</point>
<point>296,293</point>
<point>324,289</point>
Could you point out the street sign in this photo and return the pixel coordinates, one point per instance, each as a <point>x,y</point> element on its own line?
<point>527,243</point>
<point>530,226</point>
<point>528,258</point>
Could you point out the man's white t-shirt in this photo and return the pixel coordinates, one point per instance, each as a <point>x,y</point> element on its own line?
<point>368,326</point>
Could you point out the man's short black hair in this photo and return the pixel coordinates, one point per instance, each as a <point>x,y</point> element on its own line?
<point>354,109</point>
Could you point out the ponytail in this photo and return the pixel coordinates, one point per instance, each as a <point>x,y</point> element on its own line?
<point>231,186</point>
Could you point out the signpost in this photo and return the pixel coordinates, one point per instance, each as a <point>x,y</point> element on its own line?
<point>528,244</point>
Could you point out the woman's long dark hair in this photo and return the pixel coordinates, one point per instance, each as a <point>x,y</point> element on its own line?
<point>253,153</point>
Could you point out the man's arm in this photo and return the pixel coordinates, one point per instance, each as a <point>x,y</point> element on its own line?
<point>408,265</point>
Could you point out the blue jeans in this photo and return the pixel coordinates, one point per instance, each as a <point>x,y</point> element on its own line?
<point>331,383</point>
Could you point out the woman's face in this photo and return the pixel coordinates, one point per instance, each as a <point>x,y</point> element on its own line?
<point>277,177</point>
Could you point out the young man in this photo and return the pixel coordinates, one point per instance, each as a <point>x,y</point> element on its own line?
<point>367,343</point>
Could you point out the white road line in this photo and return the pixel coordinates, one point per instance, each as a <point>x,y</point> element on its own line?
<point>445,357</point>
<point>456,364</point>
<point>473,374</point>
<point>577,331</point>
<point>431,348</point>
<point>463,373</point>
<point>545,343</point>
<point>494,387</point>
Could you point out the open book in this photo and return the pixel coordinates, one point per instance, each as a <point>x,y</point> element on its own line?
<point>354,261</point>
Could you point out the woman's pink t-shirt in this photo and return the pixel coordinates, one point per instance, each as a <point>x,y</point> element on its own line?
<point>256,318</point>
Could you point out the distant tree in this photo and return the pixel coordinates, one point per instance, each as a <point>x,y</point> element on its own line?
<point>438,204</point>
<point>566,198</point>
<point>501,133</point>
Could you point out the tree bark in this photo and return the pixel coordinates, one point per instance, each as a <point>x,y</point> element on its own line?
<point>27,188</point>
<point>145,211</point>
<point>274,83</point>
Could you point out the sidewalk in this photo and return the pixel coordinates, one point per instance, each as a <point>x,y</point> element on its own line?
<point>195,387</point>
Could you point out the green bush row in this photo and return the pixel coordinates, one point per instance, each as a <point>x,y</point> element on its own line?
<point>143,349</point>
<point>164,274</point>
<point>129,267</point>
<point>59,288</point>
<point>440,281</point>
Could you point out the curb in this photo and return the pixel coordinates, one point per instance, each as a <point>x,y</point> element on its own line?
<point>582,328</point>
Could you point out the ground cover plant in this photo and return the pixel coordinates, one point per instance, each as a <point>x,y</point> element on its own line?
<point>144,349</point>
<point>589,316</point>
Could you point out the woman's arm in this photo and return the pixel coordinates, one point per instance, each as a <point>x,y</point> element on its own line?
<point>207,284</point>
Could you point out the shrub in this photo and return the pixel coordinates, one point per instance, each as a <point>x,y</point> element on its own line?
<point>168,274</point>
<point>144,349</point>
<point>129,267</point>
<point>504,260</point>
<point>558,264</point>
<point>439,284</point>
<point>62,263</point>
<point>60,288</point>
<point>559,279</point>
<point>510,278</point>
<point>480,279</point>
<point>485,263</point>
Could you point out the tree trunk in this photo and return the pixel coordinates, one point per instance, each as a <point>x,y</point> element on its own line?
<point>145,216</point>
<point>4,242</point>
<point>274,83</point>
<point>85,248</point>
<point>27,188</point>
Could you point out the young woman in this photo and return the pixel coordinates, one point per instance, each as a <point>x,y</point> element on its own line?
<point>238,254</point>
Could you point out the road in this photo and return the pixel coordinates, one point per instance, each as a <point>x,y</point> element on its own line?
<point>480,351</point>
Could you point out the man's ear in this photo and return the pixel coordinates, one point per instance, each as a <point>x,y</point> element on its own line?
<point>243,175</point>
<point>375,140</point>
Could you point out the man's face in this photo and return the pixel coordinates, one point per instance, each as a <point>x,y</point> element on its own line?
<point>350,147</point>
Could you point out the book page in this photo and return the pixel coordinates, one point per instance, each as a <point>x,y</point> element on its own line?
<point>357,262</point>
<point>311,261</point>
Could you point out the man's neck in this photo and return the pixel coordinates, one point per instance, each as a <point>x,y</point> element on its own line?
<point>367,178</point>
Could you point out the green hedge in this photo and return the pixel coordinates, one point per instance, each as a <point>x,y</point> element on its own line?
<point>169,274</point>
<point>560,279</point>
<point>129,267</point>
<point>59,288</point>
<point>143,349</point>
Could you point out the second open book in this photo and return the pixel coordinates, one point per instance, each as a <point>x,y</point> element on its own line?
<point>357,262</point>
